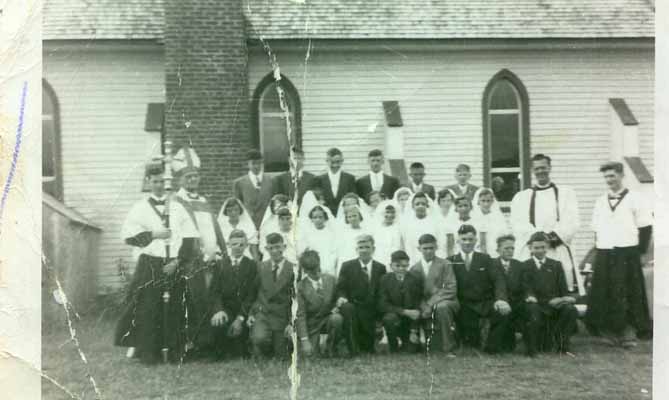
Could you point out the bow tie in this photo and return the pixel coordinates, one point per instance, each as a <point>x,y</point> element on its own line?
<point>538,188</point>
<point>156,202</point>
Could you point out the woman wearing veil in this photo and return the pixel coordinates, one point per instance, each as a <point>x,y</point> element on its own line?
<point>401,199</point>
<point>387,232</point>
<point>233,216</point>
<point>418,220</point>
<point>351,199</point>
<point>270,221</point>
<point>354,225</point>
<point>488,220</point>
<point>316,231</point>
<point>444,216</point>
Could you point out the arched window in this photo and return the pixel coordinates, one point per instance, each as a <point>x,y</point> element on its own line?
<point>270,133</point>
<point>506,140</point>
<point>52,180</point>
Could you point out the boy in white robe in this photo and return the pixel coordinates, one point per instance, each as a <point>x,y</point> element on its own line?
<point>552,209</point>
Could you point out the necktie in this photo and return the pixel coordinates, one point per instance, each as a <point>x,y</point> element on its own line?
<point>365,270</point>
<point>275,271</point>
<point>468,260</point>
<point>541,264</point>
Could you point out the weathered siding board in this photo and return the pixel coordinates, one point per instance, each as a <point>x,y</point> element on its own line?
<point>439,94</point>
<point>103,94</point>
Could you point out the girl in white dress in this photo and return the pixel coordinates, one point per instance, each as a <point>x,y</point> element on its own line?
<point>401,198</point>
<point>444,217</point>
<point>351,199</point>
<point>270,221</point>
<point>489,220</point>
<point>233,216</point>
<point>462,216</point>
<point>355,225</point>
<point>387,231</point>
<point>316,231</point>
<point>417,221</point>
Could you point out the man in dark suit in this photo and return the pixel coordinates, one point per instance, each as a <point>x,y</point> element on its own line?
<point>285,183</point>
<point>271,314</point>
<point>463,188</point>
<point>237,294</point>
<point>513,270</point>
<point>550,309</point>
<point>416,184</point>
<point>484,310</point>
<point>335,183</point>
<point>358,291</point>
<point>316,312</point>
<point>399,301</point>
<point>254,189</point>
<point>376,179</point>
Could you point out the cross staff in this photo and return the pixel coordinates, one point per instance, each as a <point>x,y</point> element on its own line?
<point>167,160</point>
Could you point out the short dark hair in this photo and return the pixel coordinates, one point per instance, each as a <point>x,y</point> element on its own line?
<point>283,212</point>
<point>391,207</point>
<point>427,238</point>
<point>465,229</point>
<point>334,152</point>
<point>416,165</point>
<point>372,193</point>
<point>274,238</point>
<point>237,234</point>
<point>418,195</point>
<point>310,260</point>
<point>537,237</point>
<point>232,201</point>
<point>461,199</point>
<point>375,153</point>
<point>612,165</point>
<point>153,168</point>
<point>398,255</point>
<point>319,208</point>
<point>443,193</point>
<point>505,238</point>
<point>463,166</point>
<point>282,199</point>
<point>253,155</point>
<point>486,192</point>
<point>541,156</point>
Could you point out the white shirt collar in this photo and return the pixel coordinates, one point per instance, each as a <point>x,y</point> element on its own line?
<point>158,198</point>
<point>426,264</point>
<point>538,262</point>
<point>464,187</point>
<point>504,262</point>
<point>335,175</point>
<point>544,186</point>
<point>415,187</point>
<point>463,255</point>
<point>618,193</point>
<point>379,174</point>
<point>238,259</point>
<point>254,177</point>
<point>281,264</point>
<point>315,282</point>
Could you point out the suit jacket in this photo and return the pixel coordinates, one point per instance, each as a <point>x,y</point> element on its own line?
<point>204,301</point>
<point>282,184</point>
<point>396,296</point>
<point>440,283</point>
<point>355,285</point>
<point>426,188</point>
<point>469,193</point>
<point>545,283</point>
<point>346,185</point>
<point>514,288</point>
<point>255,200</point>
<point>481,285</point>
<point>314,307</point>
<point>274,299</point>
<point>363,186</point>
<point>238,287</point>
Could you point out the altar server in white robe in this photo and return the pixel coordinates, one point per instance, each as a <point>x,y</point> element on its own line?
<point>387,231</point>
<point>316,231</point>
<point>489,220</point>
<point>552,209</point>
<point>233,216</point>
<point>418,221</point>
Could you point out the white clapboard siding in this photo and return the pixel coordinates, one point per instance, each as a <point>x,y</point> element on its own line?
<point>440,93</point>
<point>103,93</point>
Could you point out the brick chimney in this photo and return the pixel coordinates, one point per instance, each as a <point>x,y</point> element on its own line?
<point>206,99</point>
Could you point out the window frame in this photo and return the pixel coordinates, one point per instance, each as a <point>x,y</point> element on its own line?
<point>257,114</point>
<point>524,128</point>
<point>47,90</point>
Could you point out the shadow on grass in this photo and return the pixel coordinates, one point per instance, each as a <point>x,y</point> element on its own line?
<point>596,372</point>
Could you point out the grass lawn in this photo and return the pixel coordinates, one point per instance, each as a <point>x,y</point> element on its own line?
<point>597,372</point>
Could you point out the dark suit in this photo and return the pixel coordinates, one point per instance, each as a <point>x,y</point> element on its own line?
<point>516,294</point>
<point>314,314</point>
<point>394,298</point>
<point>363,186</point>
<point>272,309</point>
<point>425,188</point>
<point>361,311</point>
<point>549,328</point>
<point>283,184</point>
<point>238,292</point>
<point>479,287</point>
<point>469,193</point>
<point>346,185</point>
<point>255,200</point>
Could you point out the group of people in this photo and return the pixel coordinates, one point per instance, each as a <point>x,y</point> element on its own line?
<point>311,263</point>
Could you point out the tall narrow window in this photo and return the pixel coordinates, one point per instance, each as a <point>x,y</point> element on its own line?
<point>273,122</point>
<point>505,136</point>
<point>51,169</point>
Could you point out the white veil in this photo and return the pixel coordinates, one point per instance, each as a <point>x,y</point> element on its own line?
<point>495,209</point>
<point>245,223</point>
<point>270,222</point>
<point>309,202</point>
<point>362,206</point>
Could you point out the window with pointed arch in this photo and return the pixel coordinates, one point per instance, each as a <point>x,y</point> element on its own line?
<point>278,118</point>
<point>506,139</point>
<point>51,169</point>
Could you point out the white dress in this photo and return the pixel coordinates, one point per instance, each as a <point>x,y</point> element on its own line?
<point>323,241</point>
